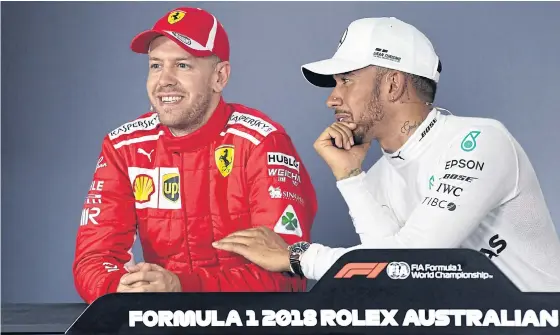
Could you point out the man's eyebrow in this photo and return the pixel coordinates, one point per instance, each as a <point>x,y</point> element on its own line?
<point>347,74</point>
<point>175,59</point>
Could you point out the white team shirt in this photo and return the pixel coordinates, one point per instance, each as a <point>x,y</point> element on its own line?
<point>458,182</point>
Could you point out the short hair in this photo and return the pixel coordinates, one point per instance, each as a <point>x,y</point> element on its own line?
<point>425,88</point>
<point>215,60</point>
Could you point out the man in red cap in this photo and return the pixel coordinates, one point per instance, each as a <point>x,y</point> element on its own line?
<point>191,171</point>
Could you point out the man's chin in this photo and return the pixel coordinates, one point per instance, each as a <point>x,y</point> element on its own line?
<point>169,110</point>
<point>358,138</point>
<point>169,119</point>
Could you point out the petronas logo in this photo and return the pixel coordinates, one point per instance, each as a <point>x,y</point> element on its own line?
<point>469,142</point>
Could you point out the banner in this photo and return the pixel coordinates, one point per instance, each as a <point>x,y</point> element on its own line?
<point>432,292</point>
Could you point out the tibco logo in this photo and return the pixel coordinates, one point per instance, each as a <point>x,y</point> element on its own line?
<point>435,202</point>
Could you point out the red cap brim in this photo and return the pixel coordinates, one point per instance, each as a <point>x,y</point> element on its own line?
<point>141,43</point>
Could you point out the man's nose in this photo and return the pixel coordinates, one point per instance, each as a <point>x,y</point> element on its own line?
<point>334,100</point>
<point>167,78</point>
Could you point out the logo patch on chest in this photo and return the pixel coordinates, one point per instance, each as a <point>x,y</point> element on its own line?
<point>156,188</point>
<point>171,186</point>
<point>224,156</point>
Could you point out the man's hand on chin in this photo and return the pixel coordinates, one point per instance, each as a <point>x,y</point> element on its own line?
<point>337,148</point>
<point>148,277</point>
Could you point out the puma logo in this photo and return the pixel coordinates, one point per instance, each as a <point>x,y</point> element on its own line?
<point>149,155</point>
<point>398,156</point>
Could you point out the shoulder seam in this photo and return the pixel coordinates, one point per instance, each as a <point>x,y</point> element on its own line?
<point>257,128</point>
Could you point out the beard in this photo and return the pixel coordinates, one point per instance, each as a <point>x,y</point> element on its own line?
<point>186,117</point>
<point>374,114</point>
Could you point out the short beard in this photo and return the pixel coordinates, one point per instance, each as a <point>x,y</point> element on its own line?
<point>191,118</point>
<point>373,115</point>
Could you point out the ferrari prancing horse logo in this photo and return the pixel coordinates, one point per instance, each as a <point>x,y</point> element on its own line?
<point>224,155</point>
<point>175,16</point>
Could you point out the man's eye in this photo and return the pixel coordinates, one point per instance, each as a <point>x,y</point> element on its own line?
<point>154,66</point>
<point>184,66</point>
<point>345,80</point>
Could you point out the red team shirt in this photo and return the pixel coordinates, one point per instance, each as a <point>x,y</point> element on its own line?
<point>240,170</point>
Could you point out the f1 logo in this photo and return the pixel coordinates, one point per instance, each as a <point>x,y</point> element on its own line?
<point>371,270</point>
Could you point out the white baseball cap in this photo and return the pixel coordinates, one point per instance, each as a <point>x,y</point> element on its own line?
<point>387,42</point>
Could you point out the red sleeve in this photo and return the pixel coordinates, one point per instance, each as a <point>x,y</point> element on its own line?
<point>107,228</point>
<point>282,198</point>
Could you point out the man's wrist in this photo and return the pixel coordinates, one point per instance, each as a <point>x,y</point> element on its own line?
<point>296,251</point>
<point>348,173</point>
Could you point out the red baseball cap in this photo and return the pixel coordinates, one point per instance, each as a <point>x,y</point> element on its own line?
<point>194,29</point>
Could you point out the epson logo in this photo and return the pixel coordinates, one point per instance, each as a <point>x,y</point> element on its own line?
<point>462,163</point>
<point>278,158</point>
<point>428,128</point>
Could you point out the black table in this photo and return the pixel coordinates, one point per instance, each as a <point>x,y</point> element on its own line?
<point>39,318</point>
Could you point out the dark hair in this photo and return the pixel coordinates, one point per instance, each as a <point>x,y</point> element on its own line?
<point>425,88</point>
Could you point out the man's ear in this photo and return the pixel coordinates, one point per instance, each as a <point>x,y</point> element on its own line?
<point>221,76</point>
<point>397,85</point>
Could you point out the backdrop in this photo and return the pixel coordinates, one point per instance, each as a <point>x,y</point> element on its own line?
<point>69,77</point>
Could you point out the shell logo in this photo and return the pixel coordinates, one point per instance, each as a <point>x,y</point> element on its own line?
<point>143,188</point>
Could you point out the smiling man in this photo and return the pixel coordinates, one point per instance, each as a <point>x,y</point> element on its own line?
<point>192,170</point>
<point>443,181</point>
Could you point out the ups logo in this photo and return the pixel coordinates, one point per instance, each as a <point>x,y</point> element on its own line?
<point>171,186</point>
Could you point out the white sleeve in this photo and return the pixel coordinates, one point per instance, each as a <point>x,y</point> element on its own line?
<point>363,207</point>
<point>451,208</point>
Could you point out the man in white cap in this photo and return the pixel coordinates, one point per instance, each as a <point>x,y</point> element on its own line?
<point>443,181</point>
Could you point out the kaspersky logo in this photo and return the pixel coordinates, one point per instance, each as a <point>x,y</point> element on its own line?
<point>431,183</point>
<point>469,141</point>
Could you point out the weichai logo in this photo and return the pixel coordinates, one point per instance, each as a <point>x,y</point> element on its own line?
<point>370,270</point>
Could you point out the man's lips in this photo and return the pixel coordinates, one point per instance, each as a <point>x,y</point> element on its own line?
<point>170,98</point>
<point>343,117</point>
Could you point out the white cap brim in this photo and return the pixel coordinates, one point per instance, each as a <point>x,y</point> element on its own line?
<point>321,73</point>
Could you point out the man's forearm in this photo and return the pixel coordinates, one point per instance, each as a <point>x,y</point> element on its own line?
<point>352,173</point>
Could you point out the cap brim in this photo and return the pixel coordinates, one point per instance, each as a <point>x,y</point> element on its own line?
<point>141,43</point>
<point>321,73</point>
